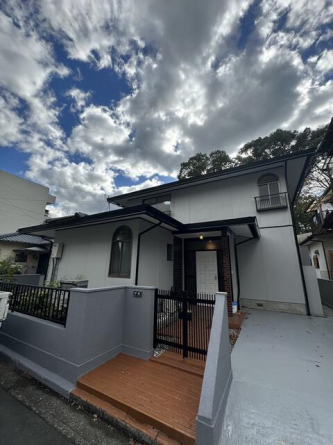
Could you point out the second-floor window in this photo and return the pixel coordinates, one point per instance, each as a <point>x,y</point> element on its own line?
<point>269,193</point>
<point>159,202</point>
<point>268,185</point>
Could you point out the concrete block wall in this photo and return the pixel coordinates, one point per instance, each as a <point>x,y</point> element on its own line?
<point>217,377</point>
<point>101,323</point>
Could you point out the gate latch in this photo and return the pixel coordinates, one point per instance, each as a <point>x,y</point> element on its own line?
<point>185,316</point>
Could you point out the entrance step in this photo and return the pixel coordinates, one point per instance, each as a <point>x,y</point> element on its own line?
<point>152,393</point>
<point>176,361</point>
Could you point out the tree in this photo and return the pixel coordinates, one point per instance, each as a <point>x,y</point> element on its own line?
<point>219,160</point>
<point>202,163</point>
<point>197,165</point>
<point>277,143</point>
<point>302,219</point>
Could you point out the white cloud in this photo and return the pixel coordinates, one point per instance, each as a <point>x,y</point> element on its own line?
<point>193,88</point>
<point>79,97</point>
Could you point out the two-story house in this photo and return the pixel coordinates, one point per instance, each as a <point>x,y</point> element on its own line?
<point>22,203</point>
<point>230,231</point>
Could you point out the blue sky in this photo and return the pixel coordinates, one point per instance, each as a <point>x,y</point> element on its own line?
<point>102,98</point>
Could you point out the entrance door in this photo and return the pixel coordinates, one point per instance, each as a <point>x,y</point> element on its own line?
<point>207,279</point>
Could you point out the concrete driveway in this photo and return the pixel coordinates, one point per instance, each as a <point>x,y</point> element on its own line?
<point>282,392</point>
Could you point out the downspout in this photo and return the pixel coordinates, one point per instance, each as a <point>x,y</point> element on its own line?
<point>138,250</point>
<point>237,269</point>
<point>50,240</point>
<point>291,208</point>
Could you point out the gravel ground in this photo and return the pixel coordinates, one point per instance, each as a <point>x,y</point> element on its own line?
<point>71,420</point>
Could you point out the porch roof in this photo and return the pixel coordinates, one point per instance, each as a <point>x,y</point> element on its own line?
<point>143,211</point>
<point>246,227</point>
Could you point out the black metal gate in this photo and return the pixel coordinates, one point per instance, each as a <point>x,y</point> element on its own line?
<point>183,322</point>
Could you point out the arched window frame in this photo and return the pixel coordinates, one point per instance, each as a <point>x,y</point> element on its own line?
<point>121,253</point>
<point>268,187</point>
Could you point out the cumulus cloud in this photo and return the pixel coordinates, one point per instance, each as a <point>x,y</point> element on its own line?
<point>199,81</point>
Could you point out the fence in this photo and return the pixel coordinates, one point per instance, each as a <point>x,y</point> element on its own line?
<point>41,302</point>
<point>182,322</point>
<point>271,202</point>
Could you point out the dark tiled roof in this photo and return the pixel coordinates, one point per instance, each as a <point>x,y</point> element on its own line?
<point>23,238</point>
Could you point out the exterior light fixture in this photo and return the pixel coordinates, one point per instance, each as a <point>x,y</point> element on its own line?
<point>201,236</point>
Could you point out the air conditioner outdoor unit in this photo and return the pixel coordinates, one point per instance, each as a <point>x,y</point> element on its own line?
<point>57,250</point>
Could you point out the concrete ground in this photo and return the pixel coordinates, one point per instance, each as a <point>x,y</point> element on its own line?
<point>31,414</point>
<point>282,392</point>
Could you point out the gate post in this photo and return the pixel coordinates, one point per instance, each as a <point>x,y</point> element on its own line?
<point>155,318</point>
<point>185,321</point>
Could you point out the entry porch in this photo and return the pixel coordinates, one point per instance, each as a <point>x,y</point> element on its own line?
<point>205,259</point>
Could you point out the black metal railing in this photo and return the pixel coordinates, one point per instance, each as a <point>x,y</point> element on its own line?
<point>271,202</point>
<point>47,303</point>
<point>183,322</point>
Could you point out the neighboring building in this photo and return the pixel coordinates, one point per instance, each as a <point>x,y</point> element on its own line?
<point>22,203</point>
<point>320,240</point>
<point>231,231</point>
<point>29,251</point>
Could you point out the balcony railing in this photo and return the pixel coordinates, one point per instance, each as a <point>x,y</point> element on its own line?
<point>321,222</point>
<point>271,202</point>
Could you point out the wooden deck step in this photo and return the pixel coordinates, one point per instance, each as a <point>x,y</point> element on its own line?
<point>154,394</point>
<point>192,366</point>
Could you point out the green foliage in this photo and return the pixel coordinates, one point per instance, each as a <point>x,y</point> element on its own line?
<point>196,166</point>
<point>280,142</point>
<point>8,268</point>
<point>302,219</point>
<point>202,163</point>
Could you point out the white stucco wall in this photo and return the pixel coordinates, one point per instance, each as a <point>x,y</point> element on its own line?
<point>23,202</point>
<point>269,268</point>
<point>226,199</point>
<point>154,269</point>
<point>323,257</point>
<point>87,251</point>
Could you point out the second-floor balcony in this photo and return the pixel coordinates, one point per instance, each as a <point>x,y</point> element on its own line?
<point>322,221</point>
<point>271,202</point>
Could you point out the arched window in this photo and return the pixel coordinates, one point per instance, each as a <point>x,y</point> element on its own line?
<point>269,193</point>
<point>121,253</point>
<point>268,185</point>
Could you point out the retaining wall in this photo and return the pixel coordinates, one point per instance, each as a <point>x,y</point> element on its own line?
<point>217,377</point>
<point>326,292</point>
<point>101,323</point>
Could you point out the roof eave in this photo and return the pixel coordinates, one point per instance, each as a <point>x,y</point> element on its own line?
<point>118,199</point>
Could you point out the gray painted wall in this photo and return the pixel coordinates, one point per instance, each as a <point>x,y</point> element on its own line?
<point>269,269</point>
<point>32,279</point>
<point>154,269</point>
<point>101,323</point>
<point>217,377</point>
<point>326,292</point>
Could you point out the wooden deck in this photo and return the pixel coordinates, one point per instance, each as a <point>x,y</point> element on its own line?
<point>163,393</point>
